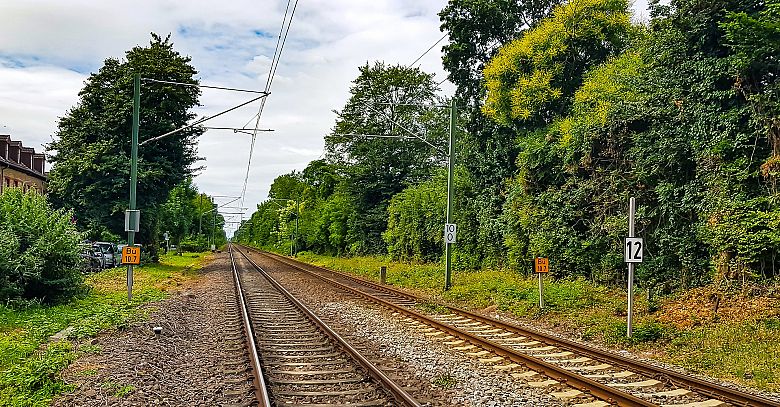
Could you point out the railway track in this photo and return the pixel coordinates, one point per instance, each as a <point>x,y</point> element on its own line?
<point>585,370</point>
<point>296,358</point>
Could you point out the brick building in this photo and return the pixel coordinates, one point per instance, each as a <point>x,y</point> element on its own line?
<point>21,166</point>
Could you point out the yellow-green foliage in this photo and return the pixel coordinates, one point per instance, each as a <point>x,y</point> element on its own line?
<point>530,73</point>
<point>603,87</point>
<point>608,84</point>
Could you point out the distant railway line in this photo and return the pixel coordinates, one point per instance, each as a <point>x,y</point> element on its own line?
<point>577,374</point>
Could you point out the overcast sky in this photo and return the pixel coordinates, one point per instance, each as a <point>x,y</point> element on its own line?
<point>49,47</point>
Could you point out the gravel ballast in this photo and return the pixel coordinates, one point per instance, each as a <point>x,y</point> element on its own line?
<point>454,379</point>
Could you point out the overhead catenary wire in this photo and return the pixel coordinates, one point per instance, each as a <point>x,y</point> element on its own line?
<point>281,40</point>
<point>428,50</point>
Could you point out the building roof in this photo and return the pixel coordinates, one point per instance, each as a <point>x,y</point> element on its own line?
<point>21,167</point>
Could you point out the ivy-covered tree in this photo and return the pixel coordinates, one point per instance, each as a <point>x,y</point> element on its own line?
<point>91,148</point>
<point>477,29</point>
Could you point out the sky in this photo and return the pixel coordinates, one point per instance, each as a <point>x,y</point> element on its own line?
<point>49,47</point>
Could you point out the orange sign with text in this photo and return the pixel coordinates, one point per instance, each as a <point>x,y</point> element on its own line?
<point>542,265</point>
<point>131,255</point>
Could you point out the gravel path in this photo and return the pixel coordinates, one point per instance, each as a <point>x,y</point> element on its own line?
<point>195,362</point>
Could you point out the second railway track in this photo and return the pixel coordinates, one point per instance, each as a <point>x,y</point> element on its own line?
<point>612,379</point>
<point>299,360</point>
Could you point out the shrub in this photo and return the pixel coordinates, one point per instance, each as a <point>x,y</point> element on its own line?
<point>194,244</point>
<point>39,255</point>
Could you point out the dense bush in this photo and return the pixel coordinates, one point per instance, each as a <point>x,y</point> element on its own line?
<point>39,255</point>
<point>194,244</point>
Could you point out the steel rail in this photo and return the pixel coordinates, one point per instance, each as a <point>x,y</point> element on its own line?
<point>396,390</point>
<point>261,389</point>
<point>596,389</point>
<point>700,386</point>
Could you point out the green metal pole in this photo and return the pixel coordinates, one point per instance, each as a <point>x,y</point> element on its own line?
<point>133,173</point>
<point>297,215</point>
<point>450,187</point>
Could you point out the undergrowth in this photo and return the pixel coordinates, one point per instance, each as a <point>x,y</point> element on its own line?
<point>31,364</point>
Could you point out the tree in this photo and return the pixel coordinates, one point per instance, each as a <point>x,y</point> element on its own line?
<point>477,29</point>
<point>92,142</point>
<point>179,213</point>
<point>39,253</point>
<point>534,77</point>
<point>385,100</point>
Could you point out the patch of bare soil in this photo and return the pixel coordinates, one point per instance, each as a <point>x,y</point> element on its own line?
<point>198,359</point>
<point>704,305</point>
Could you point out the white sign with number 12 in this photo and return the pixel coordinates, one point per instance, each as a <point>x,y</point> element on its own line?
<point>634,248</point>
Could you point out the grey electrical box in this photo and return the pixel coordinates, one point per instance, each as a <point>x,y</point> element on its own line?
<point>133,220</point>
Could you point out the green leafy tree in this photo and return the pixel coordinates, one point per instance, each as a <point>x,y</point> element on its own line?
<point>416,215</point>
<point>92,143</point>
<point>179,213</point>
<point>385,101</point>
<point>39,254</point>
<point>534,77</point>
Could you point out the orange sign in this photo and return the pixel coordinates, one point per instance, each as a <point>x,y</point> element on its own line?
<point>131,255</point>
<point>542,265</point>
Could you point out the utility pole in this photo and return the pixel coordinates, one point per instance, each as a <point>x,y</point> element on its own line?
<point>450,188</point>
<point>450,229</point>
<point>214,225</point>
<point>297,215</point>
<point>132,216</point>
<point>133,175</point>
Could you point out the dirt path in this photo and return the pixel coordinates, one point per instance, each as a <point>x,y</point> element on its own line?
<point>195,361</point>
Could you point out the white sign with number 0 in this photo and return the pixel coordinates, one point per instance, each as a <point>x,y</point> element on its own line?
<point>634,249</point>
<point>450,232</point>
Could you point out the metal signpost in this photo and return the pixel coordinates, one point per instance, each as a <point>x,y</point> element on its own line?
<point>633,251</point>
<point>541,266</point>
<point>131,220</point>
<point>450,188</point>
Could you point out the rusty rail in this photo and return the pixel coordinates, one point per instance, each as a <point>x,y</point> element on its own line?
<point>261,389</point>
<point>399,393</point>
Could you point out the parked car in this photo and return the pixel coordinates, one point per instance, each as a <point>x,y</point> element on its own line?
<point>92,259</point>
<point>110,253</point>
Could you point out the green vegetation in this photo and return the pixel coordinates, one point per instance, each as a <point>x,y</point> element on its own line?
<point>31,363</point>
<point>191,219</point>
<point>445,381</point>
<point>39,257</point>
<point>736,343</point>
<point>568,108</point>
<point>91,160</point>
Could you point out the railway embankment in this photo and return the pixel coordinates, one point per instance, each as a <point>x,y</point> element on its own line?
<point>726,331</point>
